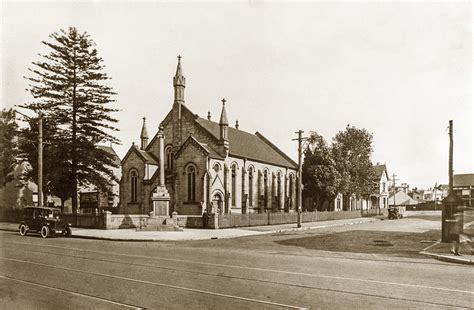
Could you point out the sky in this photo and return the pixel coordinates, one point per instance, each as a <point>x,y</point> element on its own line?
<point>401,70</point>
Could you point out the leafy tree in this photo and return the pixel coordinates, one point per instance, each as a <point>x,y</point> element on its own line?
<point>352,149</point>
<point>70,88</point>
<point>55,178</point>
<point>8,145</point>
<point>319,174</point>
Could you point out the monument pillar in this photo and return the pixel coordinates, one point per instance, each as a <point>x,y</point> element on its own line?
<point>161,197</point>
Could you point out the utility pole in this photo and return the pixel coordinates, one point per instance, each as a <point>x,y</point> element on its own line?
<point>40,155</point>
<point>40,159</point>
<point>394,189</point>
<point>450,157</point>
<point>300,187</point>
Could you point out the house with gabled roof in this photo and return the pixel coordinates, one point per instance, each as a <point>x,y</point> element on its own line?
<point>379,199</point>
<point>208,165</point>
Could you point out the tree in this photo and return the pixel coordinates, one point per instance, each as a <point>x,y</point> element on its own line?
<point>55,178</point>
<point>352,149</point>
<point>70,88</point>
<point>8,146</point>
<point>319,175</point>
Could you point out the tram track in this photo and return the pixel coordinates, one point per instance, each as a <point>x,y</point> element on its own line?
<point>259,281</point>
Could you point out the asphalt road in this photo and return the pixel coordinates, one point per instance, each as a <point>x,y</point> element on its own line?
<point>241,273</point>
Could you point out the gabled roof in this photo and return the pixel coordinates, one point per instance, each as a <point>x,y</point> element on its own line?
<point>147,157</point>
<point>203,147</point>
<point>379,170</point>
<point>466,179</point>
<point>246,145</point>
<point>402,199</point>
<point>242,144</point>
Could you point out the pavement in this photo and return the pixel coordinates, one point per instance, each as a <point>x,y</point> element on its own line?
<point>196,234</point>
<point>206,234</point>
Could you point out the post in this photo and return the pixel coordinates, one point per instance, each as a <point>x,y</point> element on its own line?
<point>450,157</point>
<point>394,189</point>
<point>452,213</point>
<point>40,159</point>
<point>300,190</point>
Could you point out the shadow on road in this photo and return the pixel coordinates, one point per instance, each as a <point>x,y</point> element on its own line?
<point>401,244</point>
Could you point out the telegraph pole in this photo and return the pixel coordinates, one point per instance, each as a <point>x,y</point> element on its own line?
<point>394,189</point>
<point>40,155</point>
<point>40,159</point>
<point>300,187</point>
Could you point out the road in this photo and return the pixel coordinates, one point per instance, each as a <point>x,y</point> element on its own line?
<point>241,273</point>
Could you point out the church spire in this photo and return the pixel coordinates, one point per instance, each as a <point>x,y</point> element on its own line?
<point>144,135</point>
<point>179,83</point>
<point>224,127</point>
<point>223,120</point>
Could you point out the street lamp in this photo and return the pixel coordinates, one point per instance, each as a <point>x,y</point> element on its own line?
<point>40,155</point>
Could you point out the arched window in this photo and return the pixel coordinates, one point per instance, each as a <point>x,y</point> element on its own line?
<point>133,185</point>
<point>290,194</point>
<point>191,172</point>
<point>265,186</point>
<point>234,184</point>
<point>250,187</point>
<point>169,157</point>
<point>279,188</point>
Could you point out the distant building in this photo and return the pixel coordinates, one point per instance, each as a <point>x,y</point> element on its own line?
<point>379,199</point>
<point>463,186</point>
<point>401,199</point>
<point>92,199</point>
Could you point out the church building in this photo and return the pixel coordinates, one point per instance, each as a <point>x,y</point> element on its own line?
<point>207,165</point>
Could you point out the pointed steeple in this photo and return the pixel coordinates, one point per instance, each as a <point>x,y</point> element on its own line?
<point>224,127</point>
<point>144,135</point>
<point>179,83</point>
<point>223,120</point>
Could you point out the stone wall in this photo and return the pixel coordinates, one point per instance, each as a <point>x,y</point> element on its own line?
<point>85,220</point>
<point>126,205</point>
<point>122,221</point>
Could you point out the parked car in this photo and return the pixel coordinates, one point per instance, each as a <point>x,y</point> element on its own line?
<point>44,220</point>
<point>394,213</point>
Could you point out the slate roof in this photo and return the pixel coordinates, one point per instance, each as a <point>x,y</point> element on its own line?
<point>246,145</point>
<point>463,179</point>
<point>379,170</point>
<point>402,199</point>
<point>149,158</point>
<point>146,156</point>
<point>212,152</point>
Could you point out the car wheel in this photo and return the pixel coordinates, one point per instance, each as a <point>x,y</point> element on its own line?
<point>67,232</point>
<point>23,230</point>
<point>45,231</point>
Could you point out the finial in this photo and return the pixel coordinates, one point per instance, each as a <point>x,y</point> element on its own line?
<point>223,101</point>
<point>144,120</point>
<point>209,115</point>
<point>133,143</point>
<point>237,124</point>
<point>179,57</point>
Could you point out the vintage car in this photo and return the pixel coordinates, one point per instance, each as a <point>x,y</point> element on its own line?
<point>394,213</point>
<point>44,220</point>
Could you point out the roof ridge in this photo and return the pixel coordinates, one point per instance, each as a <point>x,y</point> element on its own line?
<point>273,146</point>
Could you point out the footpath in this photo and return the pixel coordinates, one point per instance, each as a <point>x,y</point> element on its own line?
<point>195,234</point>
<point>188,234</point>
